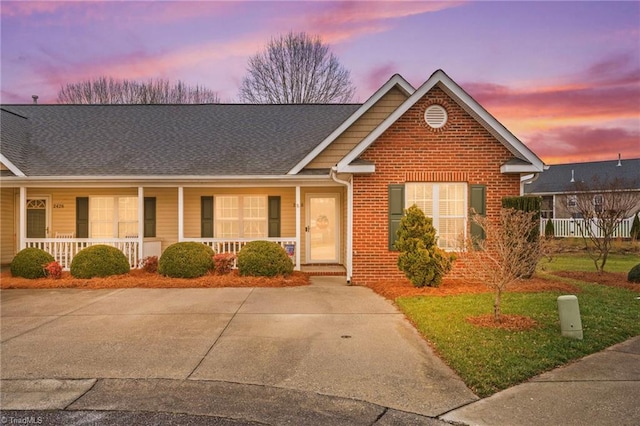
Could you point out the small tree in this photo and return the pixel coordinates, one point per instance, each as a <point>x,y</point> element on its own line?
<point>635,228</point>
<point>603,204</point>
<point>506,254</point>
<point>296,69</point>
<point>421,260</point>
<point>549,230</point>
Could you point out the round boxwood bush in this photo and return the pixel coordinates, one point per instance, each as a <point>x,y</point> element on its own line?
<point>99,261</point>
<point>186,260</point>
<point>30,262</point>
<point>634,274</point>
<point>264,259</point>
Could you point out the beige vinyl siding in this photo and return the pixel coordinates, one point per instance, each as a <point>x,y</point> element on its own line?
<point>7,225</point>
<point>166,215</point>
<point>359,130</point>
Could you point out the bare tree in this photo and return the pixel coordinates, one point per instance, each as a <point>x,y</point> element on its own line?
<point>506,253</point>
<point>296,69</point>
<point>603,204</point>
<point>107,90</point>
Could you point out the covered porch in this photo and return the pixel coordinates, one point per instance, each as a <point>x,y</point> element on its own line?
<point>308,220</point>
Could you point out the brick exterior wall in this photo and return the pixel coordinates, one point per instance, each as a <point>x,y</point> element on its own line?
<point>411,151</point>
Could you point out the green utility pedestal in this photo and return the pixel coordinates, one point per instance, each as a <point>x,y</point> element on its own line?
<point>570,323</point>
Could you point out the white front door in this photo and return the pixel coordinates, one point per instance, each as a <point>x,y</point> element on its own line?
<point>323,228</point>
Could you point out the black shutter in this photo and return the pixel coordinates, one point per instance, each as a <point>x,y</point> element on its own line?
<point>274,216</point>
<point>149,216</point>
<point>396,211</point>
<point>82,217</point>
<point>206,217</point>
<point>477,205</point>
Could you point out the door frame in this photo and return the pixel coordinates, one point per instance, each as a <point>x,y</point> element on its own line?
<point>338,228</point>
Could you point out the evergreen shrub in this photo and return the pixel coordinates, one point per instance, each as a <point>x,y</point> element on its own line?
<point>264,259</point>
<point>421,260</point>
<point>30,263</point>
<point>187,259</point>
<point>99,260</point>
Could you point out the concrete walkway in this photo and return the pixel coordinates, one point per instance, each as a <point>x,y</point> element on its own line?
<point>322,354</point>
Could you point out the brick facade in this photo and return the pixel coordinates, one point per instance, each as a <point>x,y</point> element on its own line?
<point>411,151</point>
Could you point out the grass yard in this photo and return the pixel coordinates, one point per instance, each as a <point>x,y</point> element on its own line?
<point>490,359</point>
<point>572,262</point>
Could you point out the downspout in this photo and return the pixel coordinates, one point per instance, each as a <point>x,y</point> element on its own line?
<point>526,179</point>
<point>349,184</point>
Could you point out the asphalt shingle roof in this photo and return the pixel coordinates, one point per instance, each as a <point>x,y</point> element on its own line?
<point>557,178</point>
<point>179,140</point>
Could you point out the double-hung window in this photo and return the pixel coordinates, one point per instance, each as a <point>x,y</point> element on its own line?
<point>240,216</point>
<point>446,204</point>
<point>113,216</point>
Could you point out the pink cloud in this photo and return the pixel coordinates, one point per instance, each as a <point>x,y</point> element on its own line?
<point>378,75</point>
<point>584,143</point>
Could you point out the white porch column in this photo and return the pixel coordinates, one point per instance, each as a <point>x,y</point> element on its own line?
<point>180,213</point>
<point>22,232</point>
<point>141,254</point>
<point>298,227</point>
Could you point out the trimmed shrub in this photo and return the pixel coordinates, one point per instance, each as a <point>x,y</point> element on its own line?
<point>549,230</point>
<point>223,263</point>
<point>186,260</point>
<point>635,228</point>
<point>421,260</point>
<point>99,261</point>
<point>30,263</point>
<point>264,259</point>
<point>634,274</point>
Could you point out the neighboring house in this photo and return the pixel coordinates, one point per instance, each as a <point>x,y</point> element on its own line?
<point>561,184</point>
<point>328,182</point>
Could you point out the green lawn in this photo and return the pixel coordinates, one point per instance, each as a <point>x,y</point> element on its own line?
<point>573,262</point>
<point>489,359</point>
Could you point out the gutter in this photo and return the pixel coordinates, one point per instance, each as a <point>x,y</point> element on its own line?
<point>349,184</point>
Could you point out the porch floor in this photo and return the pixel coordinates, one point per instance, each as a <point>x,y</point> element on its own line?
<point>324,270</point>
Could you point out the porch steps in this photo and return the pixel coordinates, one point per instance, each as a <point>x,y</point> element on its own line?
<point>324,270</point>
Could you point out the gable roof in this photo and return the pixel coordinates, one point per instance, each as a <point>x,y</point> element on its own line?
<point>557,179</point>
<point>15,137</point>
<point>529,162</point>
<point>166,140</point>
<point>396,81</point>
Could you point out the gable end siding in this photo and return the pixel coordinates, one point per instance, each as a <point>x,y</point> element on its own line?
<point>409,150</point>
<point>359,130</point>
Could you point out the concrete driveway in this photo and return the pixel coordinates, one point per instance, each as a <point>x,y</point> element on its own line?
<point>126,349</point>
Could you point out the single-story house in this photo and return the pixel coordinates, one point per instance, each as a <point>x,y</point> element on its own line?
<point>561,185</point>
<point>328,182</point>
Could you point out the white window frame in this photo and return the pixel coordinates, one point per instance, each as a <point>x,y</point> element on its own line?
<point>572,201</point>
<point>240,220</point>
<point>115,220</point>
<point>435,208</point>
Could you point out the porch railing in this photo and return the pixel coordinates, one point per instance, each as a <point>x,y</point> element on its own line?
<point>64,249</point>
<point>234,246</point>
<point>578,228</point>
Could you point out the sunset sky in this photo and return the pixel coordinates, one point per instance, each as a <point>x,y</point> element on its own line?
<point>564,77</point>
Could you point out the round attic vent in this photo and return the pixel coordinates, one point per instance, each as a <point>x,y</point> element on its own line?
<point>436,116</point>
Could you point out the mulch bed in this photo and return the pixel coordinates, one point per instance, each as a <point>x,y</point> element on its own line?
<point>142,279</point>
<point>613,279</point>
<point>507,322</point>
<point>393,289</point>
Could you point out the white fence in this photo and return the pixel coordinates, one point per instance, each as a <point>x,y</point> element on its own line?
<point>64,249</point>
<point>578,228</point>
